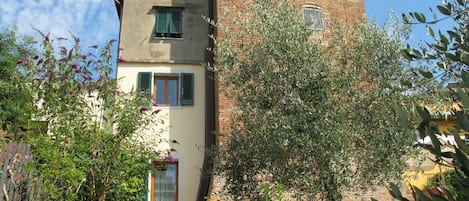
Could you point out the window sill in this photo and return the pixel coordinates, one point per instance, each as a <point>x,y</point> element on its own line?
<point>169,107</point>
<point>166,38</point>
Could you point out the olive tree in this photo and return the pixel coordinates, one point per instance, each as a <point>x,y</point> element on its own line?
<point>313,113</point>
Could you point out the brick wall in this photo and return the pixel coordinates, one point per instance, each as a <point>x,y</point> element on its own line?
<point>347,12</point>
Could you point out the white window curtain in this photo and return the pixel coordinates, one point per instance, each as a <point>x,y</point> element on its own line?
<point>165,183</point>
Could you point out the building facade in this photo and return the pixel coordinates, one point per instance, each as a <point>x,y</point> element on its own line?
<point>162,50</point>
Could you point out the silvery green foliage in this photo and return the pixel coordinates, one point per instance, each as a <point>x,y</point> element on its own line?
<point>310,111</point>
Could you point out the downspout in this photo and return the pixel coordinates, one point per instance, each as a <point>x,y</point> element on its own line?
<point>206,174</point>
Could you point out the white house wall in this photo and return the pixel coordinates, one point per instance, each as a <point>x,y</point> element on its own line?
<point>186,124</point>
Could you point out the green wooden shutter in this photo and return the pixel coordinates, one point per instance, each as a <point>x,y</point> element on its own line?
<point>176,22</point>
<point>162,21</point>
<point>144,82</point>
<point>187,88</point>
<point>143,196</point>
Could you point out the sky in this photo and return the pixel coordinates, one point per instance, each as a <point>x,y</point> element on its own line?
<point>378,10</point>
<point>96,21</point>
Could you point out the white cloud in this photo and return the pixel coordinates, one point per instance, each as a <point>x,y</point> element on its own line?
<point>94,21</point>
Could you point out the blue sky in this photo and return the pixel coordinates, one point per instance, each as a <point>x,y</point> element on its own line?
<point>378,10</point>
<point>96,22</point>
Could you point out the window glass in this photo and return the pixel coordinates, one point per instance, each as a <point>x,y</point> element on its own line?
<point>173,92</point>
<point>160,91</point>
<point>167,90</point>
<point>313,18</point>
<point>165,183</point>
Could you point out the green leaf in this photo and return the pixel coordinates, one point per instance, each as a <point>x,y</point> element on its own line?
<point>465,47</point>
<point>461,144</point>
<point>402,117</point>
<point>425,74</point>
<point>453,34</point>
<point>462,95</point>
<point>441,47</point>
<point>463,120</point>
<point>395,192</point>
<point>406,83</point>
<point>462,159</point>
<point>405,53</point>
<point>416,54</point>
<point>436,143</point>
<point>423,112</point>
<point>420,195</point>
<point>430,31</point>
<point>444,39</point>
<point>452,57</point>
<point>420,17</point>
<point>444,10</point>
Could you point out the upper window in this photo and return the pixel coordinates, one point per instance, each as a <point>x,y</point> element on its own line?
<point>164,181</point>
<point>168,89</point>
<point>168,22</point>
<point>313,18</point>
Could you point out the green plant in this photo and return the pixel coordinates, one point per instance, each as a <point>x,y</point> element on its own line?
<point>269,194</point>
<point>16,101</point>
<point>93,147</point>
<point>449,51</point>
<point>310,114</point>
<point>444,179</point>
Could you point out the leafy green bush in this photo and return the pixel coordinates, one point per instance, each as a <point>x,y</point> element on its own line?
<point>444,179</point>
<point>92,149</point>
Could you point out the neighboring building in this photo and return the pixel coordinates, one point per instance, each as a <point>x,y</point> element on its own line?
<point>162,47</point>
<point>445,121</point>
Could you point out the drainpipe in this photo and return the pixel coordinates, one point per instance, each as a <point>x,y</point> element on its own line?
<point>206,175</point>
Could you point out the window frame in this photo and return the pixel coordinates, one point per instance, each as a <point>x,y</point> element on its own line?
<point>171,15</point>
<point>185,96</point>
<point>155,165</point>
<point>166,92</point>
<point>312,26</point>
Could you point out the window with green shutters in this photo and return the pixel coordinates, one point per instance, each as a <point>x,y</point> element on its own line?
<point>187,88</point>
<point>144,82</point>
<point>168,89</point>
<point>168,22</point>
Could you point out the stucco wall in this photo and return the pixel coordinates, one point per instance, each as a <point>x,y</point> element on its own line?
<point>138,43</point>
<point>186,124</point>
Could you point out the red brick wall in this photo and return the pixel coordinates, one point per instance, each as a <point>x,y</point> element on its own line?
<point>347,12</point>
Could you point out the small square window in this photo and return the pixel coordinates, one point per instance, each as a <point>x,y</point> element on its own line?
<point>168,22</point>
<point>313,18</point>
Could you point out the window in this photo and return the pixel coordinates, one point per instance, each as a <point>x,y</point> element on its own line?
<point>168,89</point>
<point>313,18</point>
<point>168,22</point>
<point>164,181</point>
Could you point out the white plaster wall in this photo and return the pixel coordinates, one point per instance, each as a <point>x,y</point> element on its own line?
<point>186,124</point>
